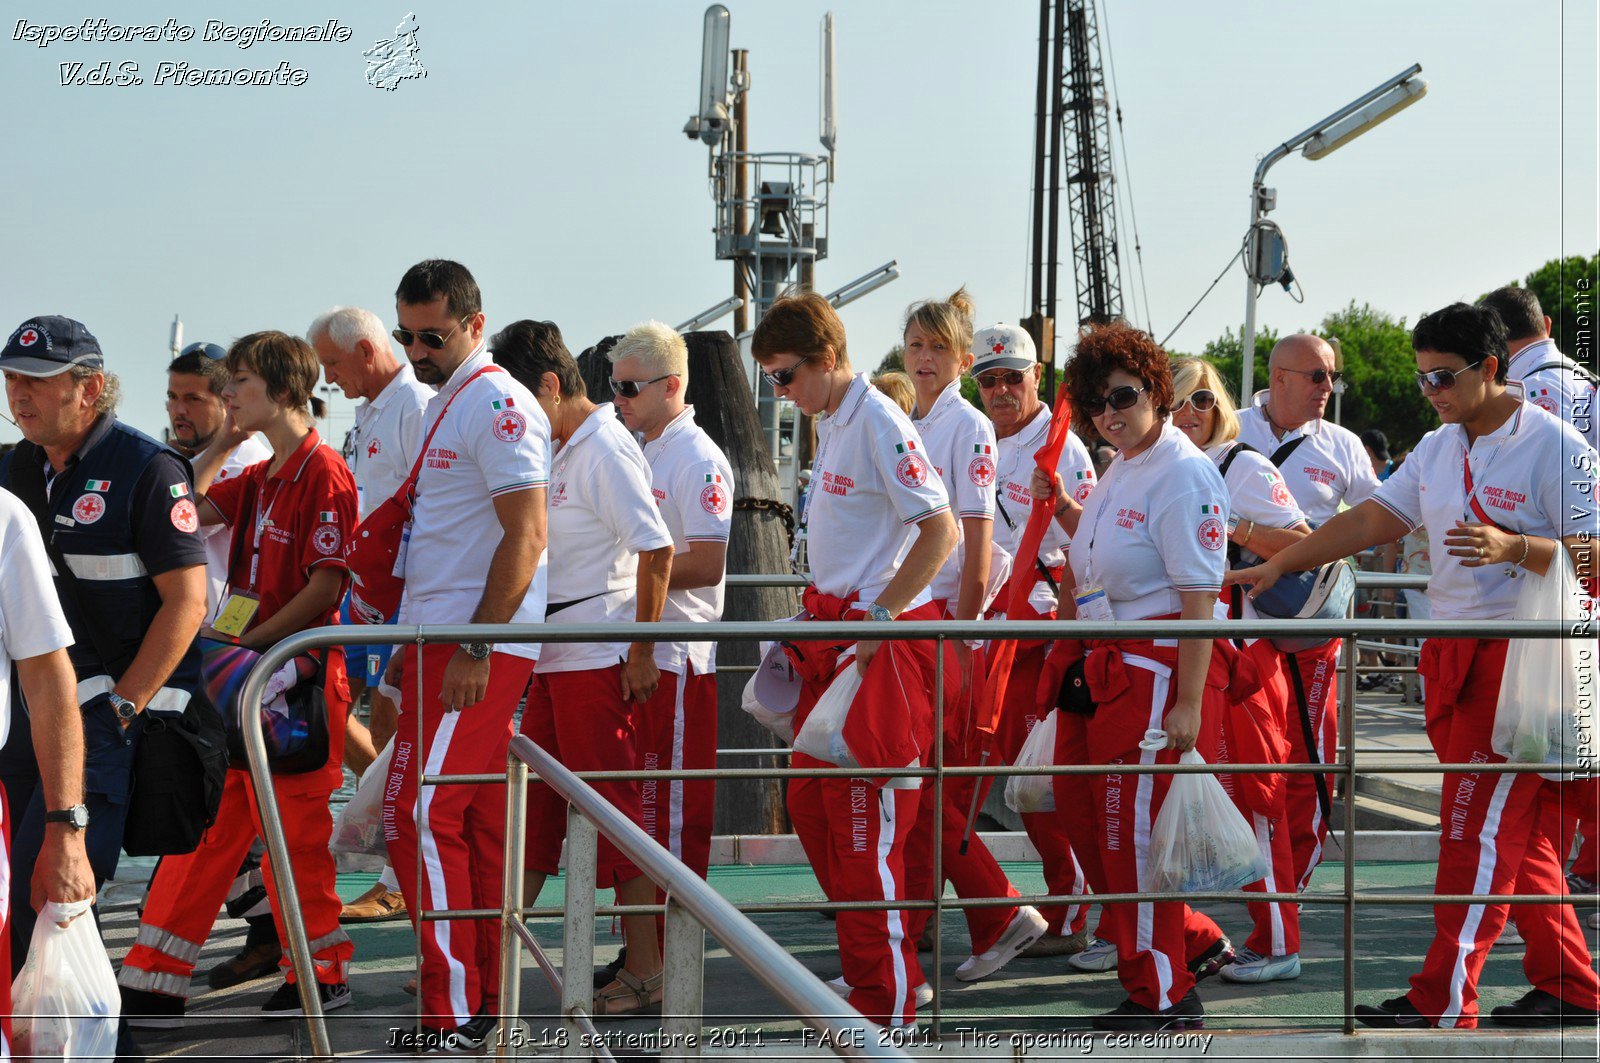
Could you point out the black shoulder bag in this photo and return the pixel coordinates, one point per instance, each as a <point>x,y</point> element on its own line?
<point>181,763</point>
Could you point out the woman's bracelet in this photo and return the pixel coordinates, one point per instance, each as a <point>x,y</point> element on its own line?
<point>1525,548</point>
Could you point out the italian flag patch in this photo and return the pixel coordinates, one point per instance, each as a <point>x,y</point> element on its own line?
<point>1210,509</point>
<point>502,404</point>
<point>328,518</point>
<point>906,447</point>
<point>982,448</point>
<point>97,485</point>
<point>178,490</point>
<point>713,478</point>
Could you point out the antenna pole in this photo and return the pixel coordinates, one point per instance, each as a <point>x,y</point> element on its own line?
<point>741,184</point>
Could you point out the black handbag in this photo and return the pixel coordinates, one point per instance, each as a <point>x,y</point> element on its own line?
<point>1074,694</point>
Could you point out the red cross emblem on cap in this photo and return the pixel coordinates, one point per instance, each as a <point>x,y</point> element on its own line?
<point>999,347</point>
<point>28,338</point>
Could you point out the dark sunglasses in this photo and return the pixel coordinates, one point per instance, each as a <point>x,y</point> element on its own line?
<point>431,340</point>
<point>1203,401</point>
<point>1443,379</point>
<point>1318,376</point>
<point>1008,377</point>
<point>629,389</point>
<point>209,351</point>
<point>1117,398</point>
<point>782,378</point>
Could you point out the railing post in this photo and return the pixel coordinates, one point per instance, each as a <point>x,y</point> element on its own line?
<point>1347,733</point>
<point>577,944</point>
<point>683,1000</point>
<point>938,832</point>
<point>511,909</point>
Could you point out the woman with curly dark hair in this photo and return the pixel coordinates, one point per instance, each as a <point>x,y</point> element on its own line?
<point>1149,544</point>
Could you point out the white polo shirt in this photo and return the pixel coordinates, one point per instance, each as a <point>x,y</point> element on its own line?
<point>1551,381</point>
<point>1014,470</point>
<point>494,440</point>
<point>961,446</point>
<point>1330,467</point>
<point>1152,528</point>
<point>1534,475</point>
<point>692,483</point>
<point>871,483</point>
<point>382,446</point>
<point>217,536</point>
<point>602,515</point>
<point>31,620</point>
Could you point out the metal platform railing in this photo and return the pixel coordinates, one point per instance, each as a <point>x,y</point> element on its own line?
<point>697,903</point>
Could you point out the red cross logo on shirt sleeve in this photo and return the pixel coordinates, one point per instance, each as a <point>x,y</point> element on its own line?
<point>1211,536</point>
<point>373,448</point>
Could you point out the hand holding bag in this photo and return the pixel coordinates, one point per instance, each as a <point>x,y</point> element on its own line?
<point>65,998</point>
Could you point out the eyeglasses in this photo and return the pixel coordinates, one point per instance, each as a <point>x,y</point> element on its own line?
<point>629,389</point>
<point>1009,377</point>
<point>1443,379</point>
<point>209,351</point>
<point>432,340</point>
<point>1318,376</point>
<point>1203,402</point>
<point>782,378</point>
<point>1117,398</point>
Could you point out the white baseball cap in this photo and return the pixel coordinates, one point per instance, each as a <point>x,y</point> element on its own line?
<point>1002,346</point>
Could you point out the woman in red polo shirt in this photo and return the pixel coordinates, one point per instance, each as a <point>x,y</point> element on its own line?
<point>289,517</point>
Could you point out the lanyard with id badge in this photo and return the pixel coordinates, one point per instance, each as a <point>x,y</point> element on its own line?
<point>1090,597</point>
<point>239,607</point>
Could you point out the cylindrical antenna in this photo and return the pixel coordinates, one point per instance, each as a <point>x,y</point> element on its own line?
<point>713,111</point>
<point>828,131</point>
<point>177,335</point>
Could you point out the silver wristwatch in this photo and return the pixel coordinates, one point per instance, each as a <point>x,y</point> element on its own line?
<point>877,612</point>
<point>125,709</point>
<point>478,651</point>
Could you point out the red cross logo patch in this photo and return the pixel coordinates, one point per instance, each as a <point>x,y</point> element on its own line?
<point>714,499</point>
<point>373,448</point>
<point>28,338</point>
<point>981,471</point>
<point>88,509</point>
<point>1211,534</point>
<point>509,425</point>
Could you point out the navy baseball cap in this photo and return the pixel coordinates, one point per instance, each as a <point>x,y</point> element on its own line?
<point>48,345</point>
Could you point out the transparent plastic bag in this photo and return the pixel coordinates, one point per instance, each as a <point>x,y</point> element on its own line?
<point>1200,843</point>
<point>1035,793</point>
<point>779,723</point>
<point>822,735</point>
<point>360,825</point>
<point>65,999</point>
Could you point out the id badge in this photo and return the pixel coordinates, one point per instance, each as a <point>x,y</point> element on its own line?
<point>236,613</point>
<point>1094,605</point>
<point>399,570</point>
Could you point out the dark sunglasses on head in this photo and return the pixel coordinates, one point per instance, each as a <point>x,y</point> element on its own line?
<point>1009,377</point>
<point>1203,401</point>
<point>1443,379</point>
<point>1319,376</point>
<point>432,340</point>
<point>629,389</point>
<point>782,378</point>
<point>1117,398</point>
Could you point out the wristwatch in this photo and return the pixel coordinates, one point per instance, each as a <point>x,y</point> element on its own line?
<point>877,612</point>
<point>76,817</point>
<point>125,709</point>
<point>478,651</point>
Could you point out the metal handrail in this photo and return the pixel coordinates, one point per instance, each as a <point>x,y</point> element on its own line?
<point>939,631</point>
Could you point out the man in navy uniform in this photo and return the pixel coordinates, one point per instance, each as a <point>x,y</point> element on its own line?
<point>118,509</point>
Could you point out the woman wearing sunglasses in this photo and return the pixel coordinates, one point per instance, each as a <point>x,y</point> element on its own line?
<point>1249,689</point>
<point>611,559</point>
<point>961,446</point>
<point>1149,545</point>
<point>878,528</point>
<point>1501,486</point>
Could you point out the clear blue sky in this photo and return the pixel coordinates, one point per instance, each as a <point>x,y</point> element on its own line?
<point>544,151</point>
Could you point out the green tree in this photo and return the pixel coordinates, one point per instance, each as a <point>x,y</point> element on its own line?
<point>1379,375</point>
<point>1227,353</point>
<point>1565,287</point>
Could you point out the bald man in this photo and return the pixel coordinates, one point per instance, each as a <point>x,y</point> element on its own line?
<point>1325,468</point>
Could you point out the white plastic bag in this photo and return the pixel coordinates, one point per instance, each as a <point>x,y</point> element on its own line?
<point>360,826</point>
<point>1546,712</point>
<point>1200,843</point>
<point>65,999</point>
<point>1035,793</point>
<point>779,723</point>
<point>822,735</point>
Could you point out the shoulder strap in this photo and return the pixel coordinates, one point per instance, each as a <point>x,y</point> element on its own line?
<point>27,483</point>
<point>1227,461</point>
<point>1574,366</point>
<point>416,468</point>
<point>1281,455</point>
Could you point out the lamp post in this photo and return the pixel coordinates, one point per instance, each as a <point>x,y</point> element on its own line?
<point>1265,252</point>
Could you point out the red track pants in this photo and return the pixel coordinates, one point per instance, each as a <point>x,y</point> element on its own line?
<point>678,732</point>
<point>1319,672</point>
<point>1108,819</point>
<point>187,891</point>
<point>454,835</point>
<point>580,719</point>
<point>1063,874</point>
<point>1497,836</point>
<point>5,927</point>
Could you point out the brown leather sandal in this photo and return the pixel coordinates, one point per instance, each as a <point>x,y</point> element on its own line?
<point>629,996</point>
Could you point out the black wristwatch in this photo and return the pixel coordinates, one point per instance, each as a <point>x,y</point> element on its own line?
<point>125,709</point>
<point>76,817</point>
<point>478,651</point>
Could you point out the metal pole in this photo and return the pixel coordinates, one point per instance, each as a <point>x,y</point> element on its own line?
<point>683,996</point>
<point>577,946</point>
<point>511,907</point>
<point>1347,731</point>
<point>1247,338</point>
<point>938,831</point>
<point>1040,124</point>
<point>741,187</point>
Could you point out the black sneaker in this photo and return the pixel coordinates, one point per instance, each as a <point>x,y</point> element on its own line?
<point>608,974</point>
<point>1212,960</point>
<point>145,1010</point>
<point>1397,1013</point>
<point>284,1003</point>
<point>1538,1009</point>
<point>1186,1014</point>
<point>467,1038</point>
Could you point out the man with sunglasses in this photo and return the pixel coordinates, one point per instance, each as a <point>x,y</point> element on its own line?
<point>1006,367</point>
<point>1326,469</point>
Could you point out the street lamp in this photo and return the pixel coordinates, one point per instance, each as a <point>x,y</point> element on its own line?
<point>1266,259</point>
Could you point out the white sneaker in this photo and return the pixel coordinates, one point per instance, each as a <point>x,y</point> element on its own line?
<point>1248,966</point>
<point>1511,937</point>
<point>1026,927</point>
<point>839,985</point>
<point>924,991</point>
<point>1101,955</point>
<point>1594,920</point>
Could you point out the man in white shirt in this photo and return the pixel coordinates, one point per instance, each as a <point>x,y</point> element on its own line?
<point>353,347</point>
<point>693,487</point>
<point>478,535</point>
<point>1549,379</point>
<point>34,636</point>
<point>1325,468</point>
